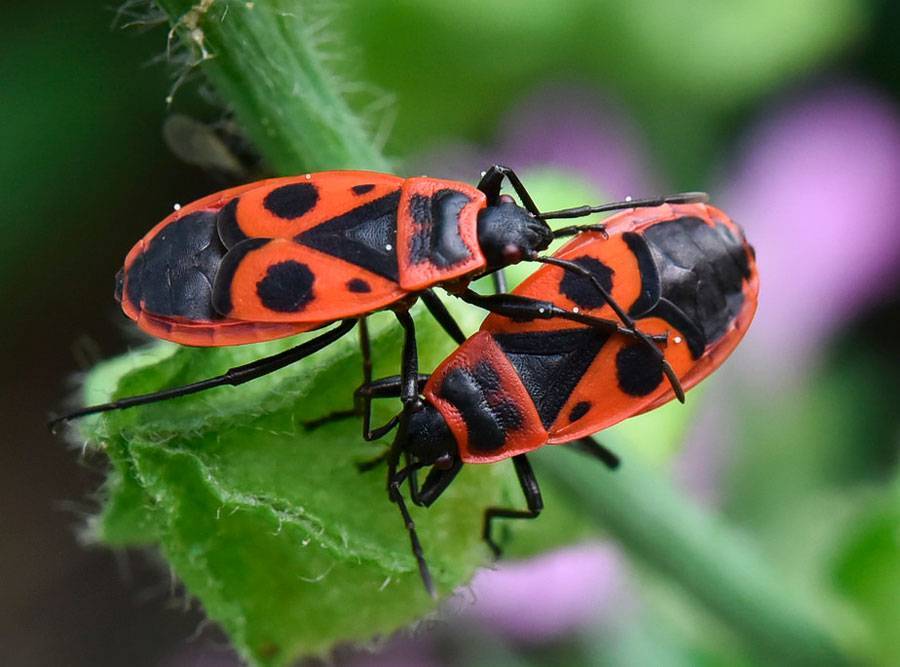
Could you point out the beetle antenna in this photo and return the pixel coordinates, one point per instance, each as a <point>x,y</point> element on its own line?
<point>582,211</point>
<point>626,319</point>
<point>395,480</point>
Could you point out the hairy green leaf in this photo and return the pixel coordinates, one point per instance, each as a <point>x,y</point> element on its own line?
<point>269,524</point>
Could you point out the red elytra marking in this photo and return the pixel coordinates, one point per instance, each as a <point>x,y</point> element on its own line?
<point>480,348</point>
<point>331,297</point>
<point>418,276</point>
<point>335,198</point>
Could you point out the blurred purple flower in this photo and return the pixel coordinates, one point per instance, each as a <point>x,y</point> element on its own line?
<point>564,127</point>
<point>575,586</point>
<point>576,130</point>
<point>814,186</point>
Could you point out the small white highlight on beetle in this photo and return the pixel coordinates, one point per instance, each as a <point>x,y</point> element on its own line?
<point>677,339</point>
<point>308,177</point>
<point>177,207</point>
<point>388,247</point>
<point>575,310</point>
<point>628,198</point>
<point>541,310</point>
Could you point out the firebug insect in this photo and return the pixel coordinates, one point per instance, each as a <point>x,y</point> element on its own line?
<point>287,255</point>
<point>684,270</point>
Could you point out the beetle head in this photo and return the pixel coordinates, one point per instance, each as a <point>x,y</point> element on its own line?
<point>429,439</point>
<point>507,233</point>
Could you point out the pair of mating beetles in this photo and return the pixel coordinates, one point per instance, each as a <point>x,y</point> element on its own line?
<point>620,320</point>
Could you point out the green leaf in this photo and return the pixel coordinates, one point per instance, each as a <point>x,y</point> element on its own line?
<point>284,542</point>
<point>867,571</point>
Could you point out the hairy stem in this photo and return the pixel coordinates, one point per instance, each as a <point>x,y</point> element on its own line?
<point>263,61</point>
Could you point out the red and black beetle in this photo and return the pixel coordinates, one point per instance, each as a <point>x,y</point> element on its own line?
<point>684,272</point>
<point>282,256</point>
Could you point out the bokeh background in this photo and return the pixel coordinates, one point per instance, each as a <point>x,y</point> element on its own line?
<point>788,112</point>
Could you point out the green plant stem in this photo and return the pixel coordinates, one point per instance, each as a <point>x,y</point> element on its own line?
<point>262,59</point>
<point>710,560</point>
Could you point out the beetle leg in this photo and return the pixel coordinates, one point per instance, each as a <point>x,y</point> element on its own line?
<point>523,309</point>
<point>533,499</point>
<point>388,387</point>
<point>436,483</point>
<point>234,376</point>
<point>440,313</point>
<point>409,362</point>
<point>407,386</point>
<point>492,180</point>
<point>596,450</point>
<point>365,349</point>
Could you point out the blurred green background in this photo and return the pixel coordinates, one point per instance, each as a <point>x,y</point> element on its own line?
<point>787,112</point>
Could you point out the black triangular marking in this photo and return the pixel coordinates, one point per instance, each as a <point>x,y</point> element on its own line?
<point>551,363</point>
<point>365,236</point>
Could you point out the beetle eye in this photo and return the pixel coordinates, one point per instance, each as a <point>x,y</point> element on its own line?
<point>443,462</point>
<point>512,253</point>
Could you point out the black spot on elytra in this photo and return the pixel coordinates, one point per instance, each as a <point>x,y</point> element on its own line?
<point>437,239</point>
<point>226,222</point>
<point>692,276</point>
<point>579,410</point>
<point>359,286</point>
<point>292,201</point>
<point>365,236</point>
<point>488,412</point>
<point>638,370</point>
<point>174,274</point>
<point>363,188</point>
<point>551,363</point>
<point>581,289</point>
<point>286,287</point>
